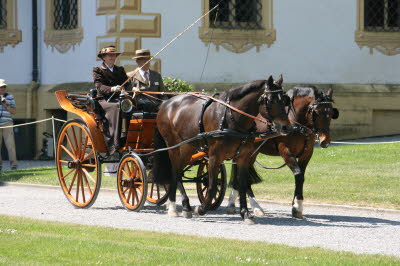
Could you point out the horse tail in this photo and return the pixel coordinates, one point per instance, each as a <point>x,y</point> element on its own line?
<point>253,177</point>
<point>161,161</point>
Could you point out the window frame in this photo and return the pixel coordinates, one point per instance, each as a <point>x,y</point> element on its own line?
<point>387,43</point>
<point>60,39</point>
<point>10,35</point>
<point>239,40</point>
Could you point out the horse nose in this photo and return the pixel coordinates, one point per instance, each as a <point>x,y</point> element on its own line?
<point>324,144</point>
<point>282,129</point>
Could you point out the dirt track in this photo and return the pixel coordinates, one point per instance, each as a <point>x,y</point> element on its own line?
<point>356,230</point>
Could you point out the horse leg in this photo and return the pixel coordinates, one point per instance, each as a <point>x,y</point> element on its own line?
<point>243,172</point>
<point>257,210</point>
<point>213,170</point>
<point>172,212</point>
<point>186,209</point>
<point>297,204</point>
<point>231,208</point>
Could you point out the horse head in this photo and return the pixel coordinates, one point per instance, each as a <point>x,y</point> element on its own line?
<point>272,105</point>
<point>320,113</point>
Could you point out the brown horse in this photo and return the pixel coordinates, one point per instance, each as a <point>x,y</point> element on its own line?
<point>178,120</point>
<point>313,111</point>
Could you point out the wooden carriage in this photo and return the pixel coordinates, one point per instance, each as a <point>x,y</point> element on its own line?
<point>81,151</point>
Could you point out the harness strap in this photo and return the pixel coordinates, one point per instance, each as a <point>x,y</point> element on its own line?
<point>203,109</point>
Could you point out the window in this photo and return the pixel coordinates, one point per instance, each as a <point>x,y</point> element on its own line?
<point>63,24</point>
<point>3,14</point>
<point>236,14</point>
<point>238,25</point>
<point>379,25</point>
<point>9,33</point>
<point>65,14</point>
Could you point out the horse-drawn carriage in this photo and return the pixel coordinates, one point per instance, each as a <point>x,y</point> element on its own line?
<point>81,151</point>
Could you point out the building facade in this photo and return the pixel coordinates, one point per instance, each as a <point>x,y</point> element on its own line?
<point>349,45</point>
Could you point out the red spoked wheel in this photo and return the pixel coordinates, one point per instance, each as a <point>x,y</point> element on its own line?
<point>132,182</point>
<point>78,165</point>
<point>202,187</point>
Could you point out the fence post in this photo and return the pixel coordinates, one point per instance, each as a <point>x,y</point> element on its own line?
<point>54,137</point>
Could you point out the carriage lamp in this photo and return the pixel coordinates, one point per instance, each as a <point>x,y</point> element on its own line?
<point>126,105</point>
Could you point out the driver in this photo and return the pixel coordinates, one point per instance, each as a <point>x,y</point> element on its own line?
<point>107,78</point>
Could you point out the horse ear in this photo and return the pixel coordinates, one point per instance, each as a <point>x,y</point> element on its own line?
<point>280,80</point>
<point>270,81</point>
<point>330,93</point>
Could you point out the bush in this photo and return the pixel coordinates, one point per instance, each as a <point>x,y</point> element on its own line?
<point>177,85</point>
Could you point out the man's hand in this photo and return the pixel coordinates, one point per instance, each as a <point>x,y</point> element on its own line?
<point>3,99</point>
<point>134,89</point>
<point>116,88</point>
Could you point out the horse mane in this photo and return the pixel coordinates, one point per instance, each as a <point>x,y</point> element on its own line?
<point>239,92</point>
<point>307,91</point>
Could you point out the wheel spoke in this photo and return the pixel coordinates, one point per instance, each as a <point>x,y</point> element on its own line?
<point>69,141</point>
<point>129,169</point>
<point>125,190</point>
<point>76,142</point>
<point>204,189</point>
<point>151,190</point>
<point>158,192</point>
<point>72,182</point>
<point>88,165</point>
<point>88,175</point>
<point>63,161</point>
<point>84,147</point>
<point>63,177</point>
<point>79,144</point>
<point>87,155</point>
<point>67,151</point>
<point>125,173</point>
<point>87,184</point>
<point>82,189</point>
<point>129,195</point>
<point>136,196</point>
<point>77,186</point>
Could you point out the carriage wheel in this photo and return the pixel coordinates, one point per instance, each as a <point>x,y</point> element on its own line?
<point>202,187</point>
<point>78,165</point>
<point>132,182</point>
<point>157,194</point>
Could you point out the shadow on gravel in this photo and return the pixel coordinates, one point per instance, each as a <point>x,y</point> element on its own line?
<point>146,209</point>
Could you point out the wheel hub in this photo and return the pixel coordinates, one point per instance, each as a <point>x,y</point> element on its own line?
<point>75,164</point>
<point>130,182</point>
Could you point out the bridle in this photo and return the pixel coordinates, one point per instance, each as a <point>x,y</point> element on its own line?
<point>312,111</point>
<point>268,103</point>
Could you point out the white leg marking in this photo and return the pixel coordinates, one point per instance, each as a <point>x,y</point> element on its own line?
<point>172,209</point>
<point>231,209</point>
<point>298,205</point>
<point>257,210</point>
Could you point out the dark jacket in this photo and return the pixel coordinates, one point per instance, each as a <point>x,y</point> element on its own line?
<point>104,79</point>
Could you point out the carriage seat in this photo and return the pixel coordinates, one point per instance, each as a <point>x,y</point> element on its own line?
<point>143,115</point>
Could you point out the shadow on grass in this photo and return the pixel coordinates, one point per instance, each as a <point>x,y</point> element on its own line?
<point>15,175</point>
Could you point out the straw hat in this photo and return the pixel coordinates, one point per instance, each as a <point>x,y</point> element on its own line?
<point>142,54</point>
<point>108,50</point>
<point>3,83</point>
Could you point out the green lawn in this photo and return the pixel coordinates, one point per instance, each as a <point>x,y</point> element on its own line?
<point>362,175</point>
<point>28,241</point>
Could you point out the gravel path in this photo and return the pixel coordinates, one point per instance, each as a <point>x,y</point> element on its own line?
<point>357,230</point>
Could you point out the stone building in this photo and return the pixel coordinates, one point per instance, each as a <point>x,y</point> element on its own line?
<point>349,45</point>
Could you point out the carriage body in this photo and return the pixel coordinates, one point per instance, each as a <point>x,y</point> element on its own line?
<point>81,151</point>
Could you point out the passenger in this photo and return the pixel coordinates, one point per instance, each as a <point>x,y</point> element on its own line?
<point>107,78</point>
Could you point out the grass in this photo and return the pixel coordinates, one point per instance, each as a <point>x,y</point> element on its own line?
<point>362,175</point>
<point>28,241</point>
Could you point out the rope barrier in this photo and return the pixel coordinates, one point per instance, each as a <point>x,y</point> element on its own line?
<point>364,143</point>
<point>34,122</point>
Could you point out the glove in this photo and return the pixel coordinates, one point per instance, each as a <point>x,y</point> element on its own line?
<point>134,89</point>
<point>116,88</point>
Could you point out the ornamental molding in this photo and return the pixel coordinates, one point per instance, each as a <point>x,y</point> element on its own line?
<point>126,25</point>
<point>11,35</point>
<point>239,41</point>
<point>387,43</point>
<point>61,40</point>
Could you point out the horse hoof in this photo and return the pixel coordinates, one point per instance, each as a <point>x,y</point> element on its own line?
<point>231,210</point>
<point>173,214</point>
<point>249,221</point>
<point>198,211</point>
<point>297,214</point>
<point>258,212</point>
<point>187,214</point>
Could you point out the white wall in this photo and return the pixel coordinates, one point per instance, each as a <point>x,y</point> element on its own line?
<point>315,44</point>
<point>16,63</point>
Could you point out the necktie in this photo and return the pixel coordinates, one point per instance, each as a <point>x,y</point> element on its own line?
<point>146,76</point>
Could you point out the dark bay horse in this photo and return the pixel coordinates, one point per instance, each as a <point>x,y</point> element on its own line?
<point>178,120</point>
<point>313,110</point>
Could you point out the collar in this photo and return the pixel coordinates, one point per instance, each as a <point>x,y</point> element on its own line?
<point>110,68</point>
<point>141,71</point>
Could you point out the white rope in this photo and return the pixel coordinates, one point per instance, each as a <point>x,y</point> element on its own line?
<point>35,122</point>
<point>364,143</point>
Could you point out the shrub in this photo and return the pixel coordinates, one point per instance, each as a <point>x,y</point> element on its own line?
<point>177,85</point>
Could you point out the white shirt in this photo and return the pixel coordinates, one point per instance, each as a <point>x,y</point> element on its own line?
<point>141,71</point>
<point>110,68</point>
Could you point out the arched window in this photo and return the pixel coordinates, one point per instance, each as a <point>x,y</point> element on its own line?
<point>3,14</point>
<point>378,25</point>
<point>238,25</point>
<point>63,24</point>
